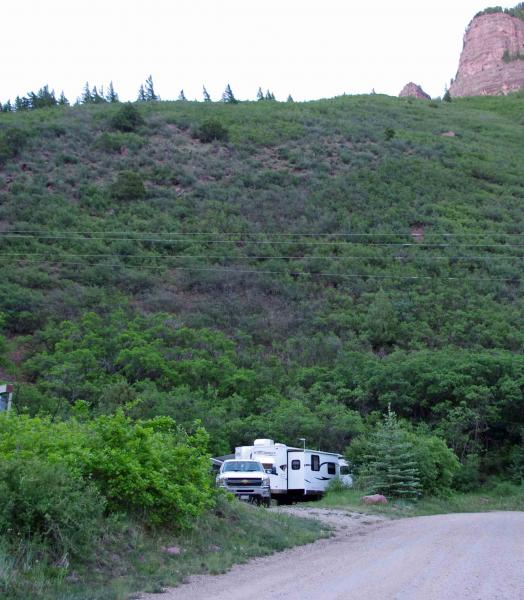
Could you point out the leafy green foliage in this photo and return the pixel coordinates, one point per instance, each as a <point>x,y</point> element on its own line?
<point>128,186</point>
<point>212,130</point>
<point>12,140</point>
<point>127,118</point>
<point>47,503</point>
<point>150,469</point>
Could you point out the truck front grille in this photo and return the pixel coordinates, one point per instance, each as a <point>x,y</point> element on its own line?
<point>245,482</point>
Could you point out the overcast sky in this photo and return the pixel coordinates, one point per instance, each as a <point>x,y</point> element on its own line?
<point>309,48</point>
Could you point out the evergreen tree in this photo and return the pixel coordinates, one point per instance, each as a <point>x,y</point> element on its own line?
<point>228,96</point>
<point>290,98</point>
<point>86,97</point>
<point>260,94</point>
<point>42,99</point>
<point>150,90</point>
<point>207,97</point>
<point>447,95</point>
<point>111,95</point>
<point>22,103</point>
<point>392,469</point>
<point>8,107</point>
<point>270,95</point>
<point>182,96</point>
<point>97,97</point>
<point>142,94</point>
<point>63,101</point>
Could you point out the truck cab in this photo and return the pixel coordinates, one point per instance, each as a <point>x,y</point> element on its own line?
<point>246,479</point>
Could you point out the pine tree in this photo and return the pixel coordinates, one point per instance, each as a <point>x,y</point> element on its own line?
<point>228,96</point>
<point>150,90</point>
<point>86,97</point>
<point>270,95</point>
<point>111,95</point>
<point>141,94</point>
<point>97,97</point>
<point>207,97</point>
<point>182,96</point>
<point>63,101</point>
<point>22,103</point>
<point>392,470</point>
<point>8,107</point>
<point>260,94</point>
<point>290,98</point>
<point>447,95</point>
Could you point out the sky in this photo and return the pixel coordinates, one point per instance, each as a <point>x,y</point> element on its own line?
<point>307,48</point>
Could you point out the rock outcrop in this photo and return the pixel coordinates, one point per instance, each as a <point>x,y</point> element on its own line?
<point>413,90</point>
<point>492,59</point>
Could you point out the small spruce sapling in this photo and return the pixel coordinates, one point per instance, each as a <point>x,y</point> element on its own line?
<point>392,469</point>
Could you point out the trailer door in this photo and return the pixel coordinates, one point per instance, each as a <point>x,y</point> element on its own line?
<point>295,470</point>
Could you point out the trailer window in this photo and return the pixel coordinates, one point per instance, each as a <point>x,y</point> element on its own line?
<point>315,462</point>
<point>332,468</point>
<point>295,465</point>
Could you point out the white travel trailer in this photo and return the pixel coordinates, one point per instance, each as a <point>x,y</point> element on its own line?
<point>294,473</point>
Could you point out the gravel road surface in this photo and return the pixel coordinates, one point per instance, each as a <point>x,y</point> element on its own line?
<point>445,557</point>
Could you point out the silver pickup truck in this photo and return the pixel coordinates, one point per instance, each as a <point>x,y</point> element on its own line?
<point>246,479</point>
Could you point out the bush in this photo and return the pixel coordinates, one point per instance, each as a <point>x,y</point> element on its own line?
<point>45,502</point>
<point>127,118</point>
<point>128,186</point>
<point>212,130</point>
<point>12,140</point>
<point>151,469</point>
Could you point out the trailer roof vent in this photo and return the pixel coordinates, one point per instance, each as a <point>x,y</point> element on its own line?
<point>263,443</point>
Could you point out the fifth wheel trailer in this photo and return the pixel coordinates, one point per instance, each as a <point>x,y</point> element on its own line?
<point>294,473</point>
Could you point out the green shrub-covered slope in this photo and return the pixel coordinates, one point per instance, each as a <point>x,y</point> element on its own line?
<point>273,269</point>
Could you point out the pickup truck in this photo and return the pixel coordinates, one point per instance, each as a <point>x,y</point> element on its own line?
<point>246,479</point>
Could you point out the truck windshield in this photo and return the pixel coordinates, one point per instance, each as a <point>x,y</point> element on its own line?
<point>242,465</point>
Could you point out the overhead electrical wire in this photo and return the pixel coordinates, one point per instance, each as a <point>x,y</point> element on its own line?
<point>268,256</point>
<point>289,273</point>
<point>262,233</point>
<point>263,242</point>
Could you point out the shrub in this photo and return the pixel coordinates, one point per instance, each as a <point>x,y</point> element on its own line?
<point>150,469</point>
<point>12,140</point>
<point>45,502</point>
<point>127,118</point>
<point>128,186</point>
<point>212,130</point>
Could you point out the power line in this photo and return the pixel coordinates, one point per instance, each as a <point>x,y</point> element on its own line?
<point>264,242</point>
<point>272,234</point>
<point>289,273</point>
<point>268,256</point>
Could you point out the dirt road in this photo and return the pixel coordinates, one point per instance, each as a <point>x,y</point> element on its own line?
<point>445,557</point>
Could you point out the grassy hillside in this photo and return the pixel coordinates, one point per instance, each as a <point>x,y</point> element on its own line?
<point>329,258</point>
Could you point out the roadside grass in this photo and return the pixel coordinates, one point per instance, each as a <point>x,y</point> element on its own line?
<point>500,496</point>
<point>130,559</point>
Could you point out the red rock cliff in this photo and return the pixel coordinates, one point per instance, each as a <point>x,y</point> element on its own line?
<point>482,68</point>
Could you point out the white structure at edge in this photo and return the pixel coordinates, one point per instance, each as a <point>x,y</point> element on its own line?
<point>6,396</point>
<point>296,473</point>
